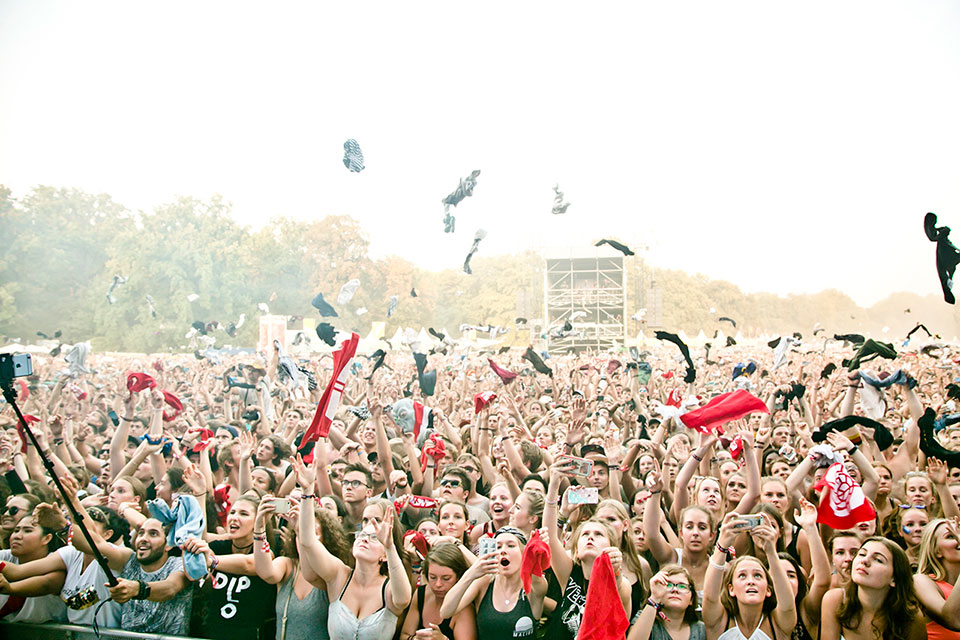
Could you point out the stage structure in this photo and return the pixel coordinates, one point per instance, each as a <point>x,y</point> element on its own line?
<point>592,281</point>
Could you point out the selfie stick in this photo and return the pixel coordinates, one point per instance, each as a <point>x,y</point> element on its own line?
<point>10,394</point>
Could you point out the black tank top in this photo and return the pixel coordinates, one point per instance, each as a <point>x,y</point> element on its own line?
<point>516,623</point>
<point>444,624</point>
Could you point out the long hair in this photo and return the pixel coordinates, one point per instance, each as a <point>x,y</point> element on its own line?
<point>628,545</point>
<point>446,555</point>
<point>801,578</point>
<point>892,621</point>
<point>332,536</point>
<point>771,512</point>
<point>466,516</point>
<point>730,604</point>
<point>928,563</point>
<point>607,530</point>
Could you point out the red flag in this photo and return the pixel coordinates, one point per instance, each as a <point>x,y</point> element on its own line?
<point>723,409</point>
<point>842,503</point>
<point>330,401</point>
<point>603,615</point>
<point>482,399</point>
<point>506,376</point>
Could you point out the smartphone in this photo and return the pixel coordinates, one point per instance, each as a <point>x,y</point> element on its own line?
<point>749,522</point>
<point>487,545</point>
<point>583,495</point>
<point>583,466</point>
<point>281,505</point>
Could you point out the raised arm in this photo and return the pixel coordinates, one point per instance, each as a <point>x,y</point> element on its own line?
<point>326,565</point>
<point>398,597</point>
<point>652,514</point>
<point>469,587</point>
<point>560,560</point>
<point>806,519</point>
<point>752,466</point>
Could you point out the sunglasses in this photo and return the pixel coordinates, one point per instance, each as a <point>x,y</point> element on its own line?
<point>97,515</point>
<point>914,506</point>
<point>450,482</point>
<point>11,510</point>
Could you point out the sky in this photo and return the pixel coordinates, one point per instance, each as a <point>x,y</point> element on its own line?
<point>784,146</point>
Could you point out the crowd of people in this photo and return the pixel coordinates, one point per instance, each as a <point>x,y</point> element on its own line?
<point>573,505</point>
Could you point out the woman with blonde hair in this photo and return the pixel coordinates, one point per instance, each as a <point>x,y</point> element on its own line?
<point>938,572</point>
<point>636,570</point>
<point>573,568</point>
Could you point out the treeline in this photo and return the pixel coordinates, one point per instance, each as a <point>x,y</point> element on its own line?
<point>62,248</point>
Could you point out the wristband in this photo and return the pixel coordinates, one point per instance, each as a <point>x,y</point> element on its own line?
<point>144,591</point>
<point>658,606</point>
<point>126,418</point>
<point>308,496</point>
<point>852,451</point>
<point>265,547</point>
<point>730,552</point>
<point>152,441</point>
<point>696,457</point>
<point>213,563</point>
<point>652,492</point>
<point>715,565</point>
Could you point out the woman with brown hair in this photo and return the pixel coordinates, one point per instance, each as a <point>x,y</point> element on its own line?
<point>879,601</point>
<point>443,567</point>
<point>671,610</point>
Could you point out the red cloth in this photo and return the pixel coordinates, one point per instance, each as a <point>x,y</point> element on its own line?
<point>330,401</point>
<point>603,614</point>
<point>432,448</point>
<point>612,366</point>
<point>842,502</point>
<point>23,434</point>
<point>205,435</point>
<point>536,560</point>
<point>221,498</point>
<point>24,390</point>
<point>482,399</point>
<point>723,409</point>
<point>420,543</point>
<point>506,376</point>
<point>667,375</point>
<point>137,382</point>
<point>674,398</point>
<point>174,402</point>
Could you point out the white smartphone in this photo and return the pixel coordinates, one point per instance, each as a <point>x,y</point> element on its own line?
<point>281,505</point>
<point>487,545</point>
<point>583,495</point>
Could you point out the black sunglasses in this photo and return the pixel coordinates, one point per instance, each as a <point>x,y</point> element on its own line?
<point>11,510</point>
<point>450,482</point>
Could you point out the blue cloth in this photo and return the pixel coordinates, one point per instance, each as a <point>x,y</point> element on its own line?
<point>945,421</point>
<point>187,519</point>
<point>900,377</point>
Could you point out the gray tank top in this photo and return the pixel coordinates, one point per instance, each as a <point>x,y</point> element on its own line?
<point>305,619</point>
<point>342,624</point>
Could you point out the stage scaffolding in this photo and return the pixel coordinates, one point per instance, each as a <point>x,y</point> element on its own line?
<point>592,280</point>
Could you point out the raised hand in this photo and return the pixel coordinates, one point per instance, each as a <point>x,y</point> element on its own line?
<point>937,471</point>
<point>385,529</point>
<point>839,442</point>
<point>658,587</point>
<point>193,478</point>
<point>806,515</point>
<point>247,444</point>
<point>306,474</point>
<point>49,516</point>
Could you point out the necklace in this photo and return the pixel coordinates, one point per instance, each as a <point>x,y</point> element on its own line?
<point>242,549</point>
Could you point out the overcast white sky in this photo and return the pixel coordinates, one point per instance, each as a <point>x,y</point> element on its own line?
<point>786,147</point>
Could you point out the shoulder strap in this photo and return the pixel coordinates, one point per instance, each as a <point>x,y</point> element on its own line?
<point>345,585</point>
<point>286,606</point>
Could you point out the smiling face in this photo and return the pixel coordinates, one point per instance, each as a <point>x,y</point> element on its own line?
<point>501,504</point>
<point>748,582</point>
<point>150,543</point>
<point>873,566</point>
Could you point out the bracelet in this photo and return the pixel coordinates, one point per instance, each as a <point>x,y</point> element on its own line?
<point>652,492</point>
<point>715,565</point>
<point>308,496</point>
<point>265,547</point>
<point>57,442</point>
<point>853,450</point>
<point>126,418</point>
<point>730,552</point>
<point>658,606</point>
<point>696,457</point>
<point>144,591</point>
<point>213,563</point>
<point>260,533</point>
<point>557,501</point>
